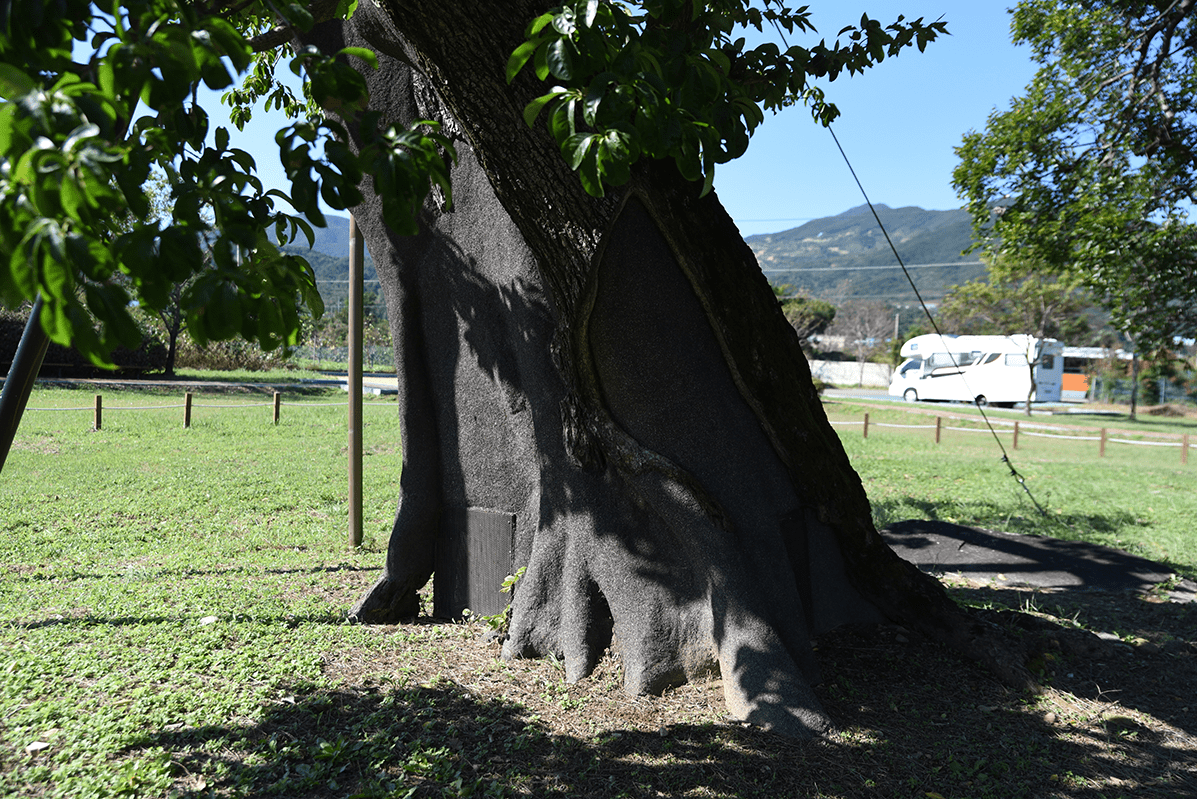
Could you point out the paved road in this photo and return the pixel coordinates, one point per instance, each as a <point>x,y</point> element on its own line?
<point>861,393</point>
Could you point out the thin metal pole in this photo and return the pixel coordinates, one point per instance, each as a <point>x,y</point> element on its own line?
<point>356,266</point>
<point>22,374</point>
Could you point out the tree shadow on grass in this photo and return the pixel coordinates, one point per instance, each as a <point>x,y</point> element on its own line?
<point>1110,524</point>
<point>910,719</point>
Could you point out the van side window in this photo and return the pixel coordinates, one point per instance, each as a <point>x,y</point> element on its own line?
<point>993,356</point>
<point>1016,359</point>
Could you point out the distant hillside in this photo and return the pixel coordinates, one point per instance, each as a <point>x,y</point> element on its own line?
<point>823,256</point>
<point>332,240</point>
<point>826,256</point>
<point>329,257</point>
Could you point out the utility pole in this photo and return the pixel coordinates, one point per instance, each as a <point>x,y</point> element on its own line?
<point>356,259</point>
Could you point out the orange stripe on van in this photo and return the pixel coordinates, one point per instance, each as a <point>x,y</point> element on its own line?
<point>1074,382</point>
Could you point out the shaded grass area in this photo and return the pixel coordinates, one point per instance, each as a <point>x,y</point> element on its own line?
<point>1136,498</point>
<point>172,608</point>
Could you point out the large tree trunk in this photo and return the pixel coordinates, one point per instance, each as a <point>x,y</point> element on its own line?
<point>616,375</point>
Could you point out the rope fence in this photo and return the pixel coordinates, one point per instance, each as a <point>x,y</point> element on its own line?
<point>1180,440</point>
<point>275,404</point>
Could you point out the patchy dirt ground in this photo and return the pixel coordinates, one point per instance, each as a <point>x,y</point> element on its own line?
<point>912,720</point>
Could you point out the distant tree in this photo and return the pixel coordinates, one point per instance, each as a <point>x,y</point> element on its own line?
<point>1018,297</point>
<point>1090,173</point>
<point>864,324</point>
<point>807,315</point>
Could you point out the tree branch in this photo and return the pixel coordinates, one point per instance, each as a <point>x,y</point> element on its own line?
<point>321,11</point>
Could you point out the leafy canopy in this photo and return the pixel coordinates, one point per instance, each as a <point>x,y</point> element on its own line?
<point>96,97</point>
<point>671,78</point>
<point>1018,297</point>
<point>1091,171</point>
<point>93,98</point>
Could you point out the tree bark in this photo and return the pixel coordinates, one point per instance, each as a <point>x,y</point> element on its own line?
<point>615,375</point>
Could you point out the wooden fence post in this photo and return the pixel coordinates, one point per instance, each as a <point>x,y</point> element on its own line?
<point>187,409</point>
<point>1184,449</point>
<point>866,426</point>
<point>1102,453</point>
<point>1016,435</point>
<point>99,411</point>
<point>278,401</point>
<point>938,426</point>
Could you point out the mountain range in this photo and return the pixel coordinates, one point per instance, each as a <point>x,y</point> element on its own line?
<point>847,256</point>
<point>835,258</point>
<point>329,257</point>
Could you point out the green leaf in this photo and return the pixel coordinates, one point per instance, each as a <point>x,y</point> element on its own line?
<point>300,17</point>
<point>560,59</point>
<point>590,177</point>
<point>538,24</point>
<point>363,53</point>
<point>222,138</point>
<point>708,182</point>
<point>73,200</point>
<point>230,42</point>
<point>532,109</point>
<point>14,83</point>
<point>520,56</point>
<point>576,147</point>
<point>541,63</point>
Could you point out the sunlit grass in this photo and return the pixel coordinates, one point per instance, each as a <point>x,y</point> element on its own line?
<point>173,601</point>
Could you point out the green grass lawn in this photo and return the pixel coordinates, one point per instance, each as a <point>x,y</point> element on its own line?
<point>169,594</point>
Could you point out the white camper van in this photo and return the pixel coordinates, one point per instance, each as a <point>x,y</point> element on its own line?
<point>982,369</point>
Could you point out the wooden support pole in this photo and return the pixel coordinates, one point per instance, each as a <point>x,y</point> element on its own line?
<point>938,427</point>
<point>1184,449</point>
<point>866,426</point>
<point>278,402</point>
<point>187,410</point>
<point>356,324</point>
<point>1102,452</point>
<point>99,412</point>
<point>1016,435</point>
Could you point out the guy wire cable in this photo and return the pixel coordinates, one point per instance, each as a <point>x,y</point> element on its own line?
<point>1005,456</point>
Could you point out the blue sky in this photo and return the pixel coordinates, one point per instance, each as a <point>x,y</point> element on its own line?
<point>901,121</point>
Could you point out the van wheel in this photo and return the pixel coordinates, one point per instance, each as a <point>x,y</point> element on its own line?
<point>981,401</point>
<point>910,395</point>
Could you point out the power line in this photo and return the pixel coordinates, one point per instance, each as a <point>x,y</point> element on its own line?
<point>875,266</point>
<point>1005,456</point>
